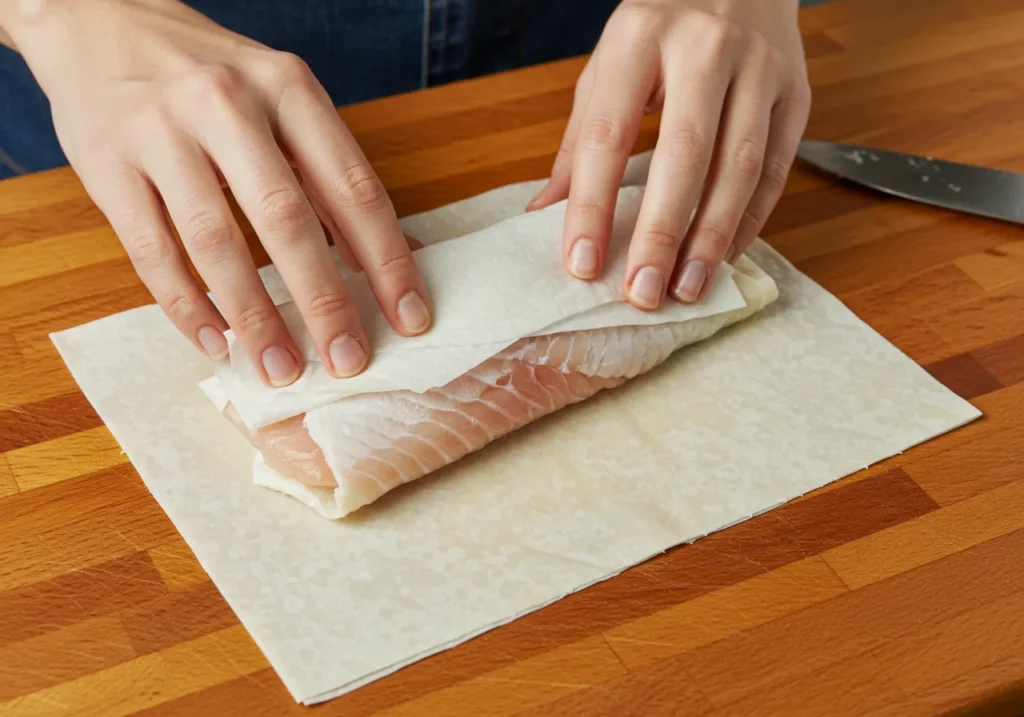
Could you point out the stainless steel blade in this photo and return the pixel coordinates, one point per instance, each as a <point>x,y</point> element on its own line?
<point>977,190</point>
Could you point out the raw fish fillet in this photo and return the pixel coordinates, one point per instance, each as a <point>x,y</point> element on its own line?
<point>380,441</point>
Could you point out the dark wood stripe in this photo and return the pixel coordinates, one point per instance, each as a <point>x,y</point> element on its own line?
<point>964,375</point>
<point>818,44</point>
<point>782,536</point>
<point>177,617</point>
<point>896,255</point>
<point>89,520</point>
<point>637,694</point>
<point>45,420</point>
<point>1005,703</point>
<point>415,198</point>
<point>855,623</point>
<point>67,217</point>
<point>816,205</point>
<point>471,124</point>
<point>1004,360</point>
<point>261,694</point>
<point>79,595</point>
<point>24,298</point>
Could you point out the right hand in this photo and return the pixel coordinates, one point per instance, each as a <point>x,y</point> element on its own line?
<point>157,107</point>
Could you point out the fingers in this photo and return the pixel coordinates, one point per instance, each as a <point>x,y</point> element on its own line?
<point>333,230</point>
<point>695,93</point>
<point>732,178</point>
<point>352,194</point>
<point>623,82</point>
<point>557,187</point>
<point>788,121</point>
<point>243,146</point>
<point>134,210</point>
<point>197,206</point>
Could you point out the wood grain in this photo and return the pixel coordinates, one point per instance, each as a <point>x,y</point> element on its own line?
<point>897,591</point>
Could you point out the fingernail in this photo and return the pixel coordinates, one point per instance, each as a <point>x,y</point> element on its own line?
<point>280,365</point>
<point>729,255</point>
<point>691,281</point>
<point>583,259</point>
<point>413,314</point>
<point>213,342</point>
<point>647,287</point>
<point>347,355</point>
<point>533,202</point>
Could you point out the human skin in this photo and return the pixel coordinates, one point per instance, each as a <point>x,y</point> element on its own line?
<point>730,79</point>
<point>157,107</point>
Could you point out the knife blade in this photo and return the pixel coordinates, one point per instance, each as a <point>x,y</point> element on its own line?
<point>987,192</point>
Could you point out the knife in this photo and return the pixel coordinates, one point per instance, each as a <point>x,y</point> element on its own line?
<point>967,188</point>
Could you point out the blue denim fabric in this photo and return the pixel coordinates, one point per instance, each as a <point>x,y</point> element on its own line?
<point>359,49</point>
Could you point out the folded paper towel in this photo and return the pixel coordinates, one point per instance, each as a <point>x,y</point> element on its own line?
<point>426,402</point>
<point>489,289</point>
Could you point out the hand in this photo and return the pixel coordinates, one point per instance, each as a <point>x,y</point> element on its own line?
<point>730,78</point>
<point>157,108</point>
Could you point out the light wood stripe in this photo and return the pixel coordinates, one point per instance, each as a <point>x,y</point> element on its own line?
<point>508,691</point>
<point>723,612</point>
<point>178,566</point>
<point>8,486</point>
<point>991,462</point>
<point>999,267</point>
<point>148,680</point>
<point>83,648</point>
<point>62,458</point>
<point>928,538</point>
<point>24,262</point>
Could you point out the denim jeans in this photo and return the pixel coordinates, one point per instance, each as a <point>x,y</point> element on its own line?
<point>359,49</point>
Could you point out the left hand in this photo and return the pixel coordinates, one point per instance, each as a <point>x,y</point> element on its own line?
<point>731,80</point>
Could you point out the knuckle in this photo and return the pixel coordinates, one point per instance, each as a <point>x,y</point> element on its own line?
<point>290,69</point>
<point>179,306</point>
<point>603,134</point>
<point>254,319</point>
<point>686,143</point>
<point>801,95</point>
<point>661,241</point>
<point>639,19</point>
<point>360,188</point>
<point>328,303</point>
<point>212,81</point>
<point>285,207</point>
<point>207,233</point>
<point>720,36</point>
<point>714,239</point>
<point>754,217</point>
<point>398,263</point>
<point>593,212</point>
<point>775,174</point>
<point>748,160</point>
<point>148,251</point>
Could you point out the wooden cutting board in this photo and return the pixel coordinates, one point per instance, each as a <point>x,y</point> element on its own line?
<point>898,591</point>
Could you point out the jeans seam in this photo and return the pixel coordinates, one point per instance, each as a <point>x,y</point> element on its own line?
<point>7,161</point>
<point>425,58</point>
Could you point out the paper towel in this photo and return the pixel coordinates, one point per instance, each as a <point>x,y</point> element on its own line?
<point>489,289</point>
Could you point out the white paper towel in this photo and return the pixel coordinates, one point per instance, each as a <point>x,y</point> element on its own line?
<point>489,289</point>
<point>783,403</point>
